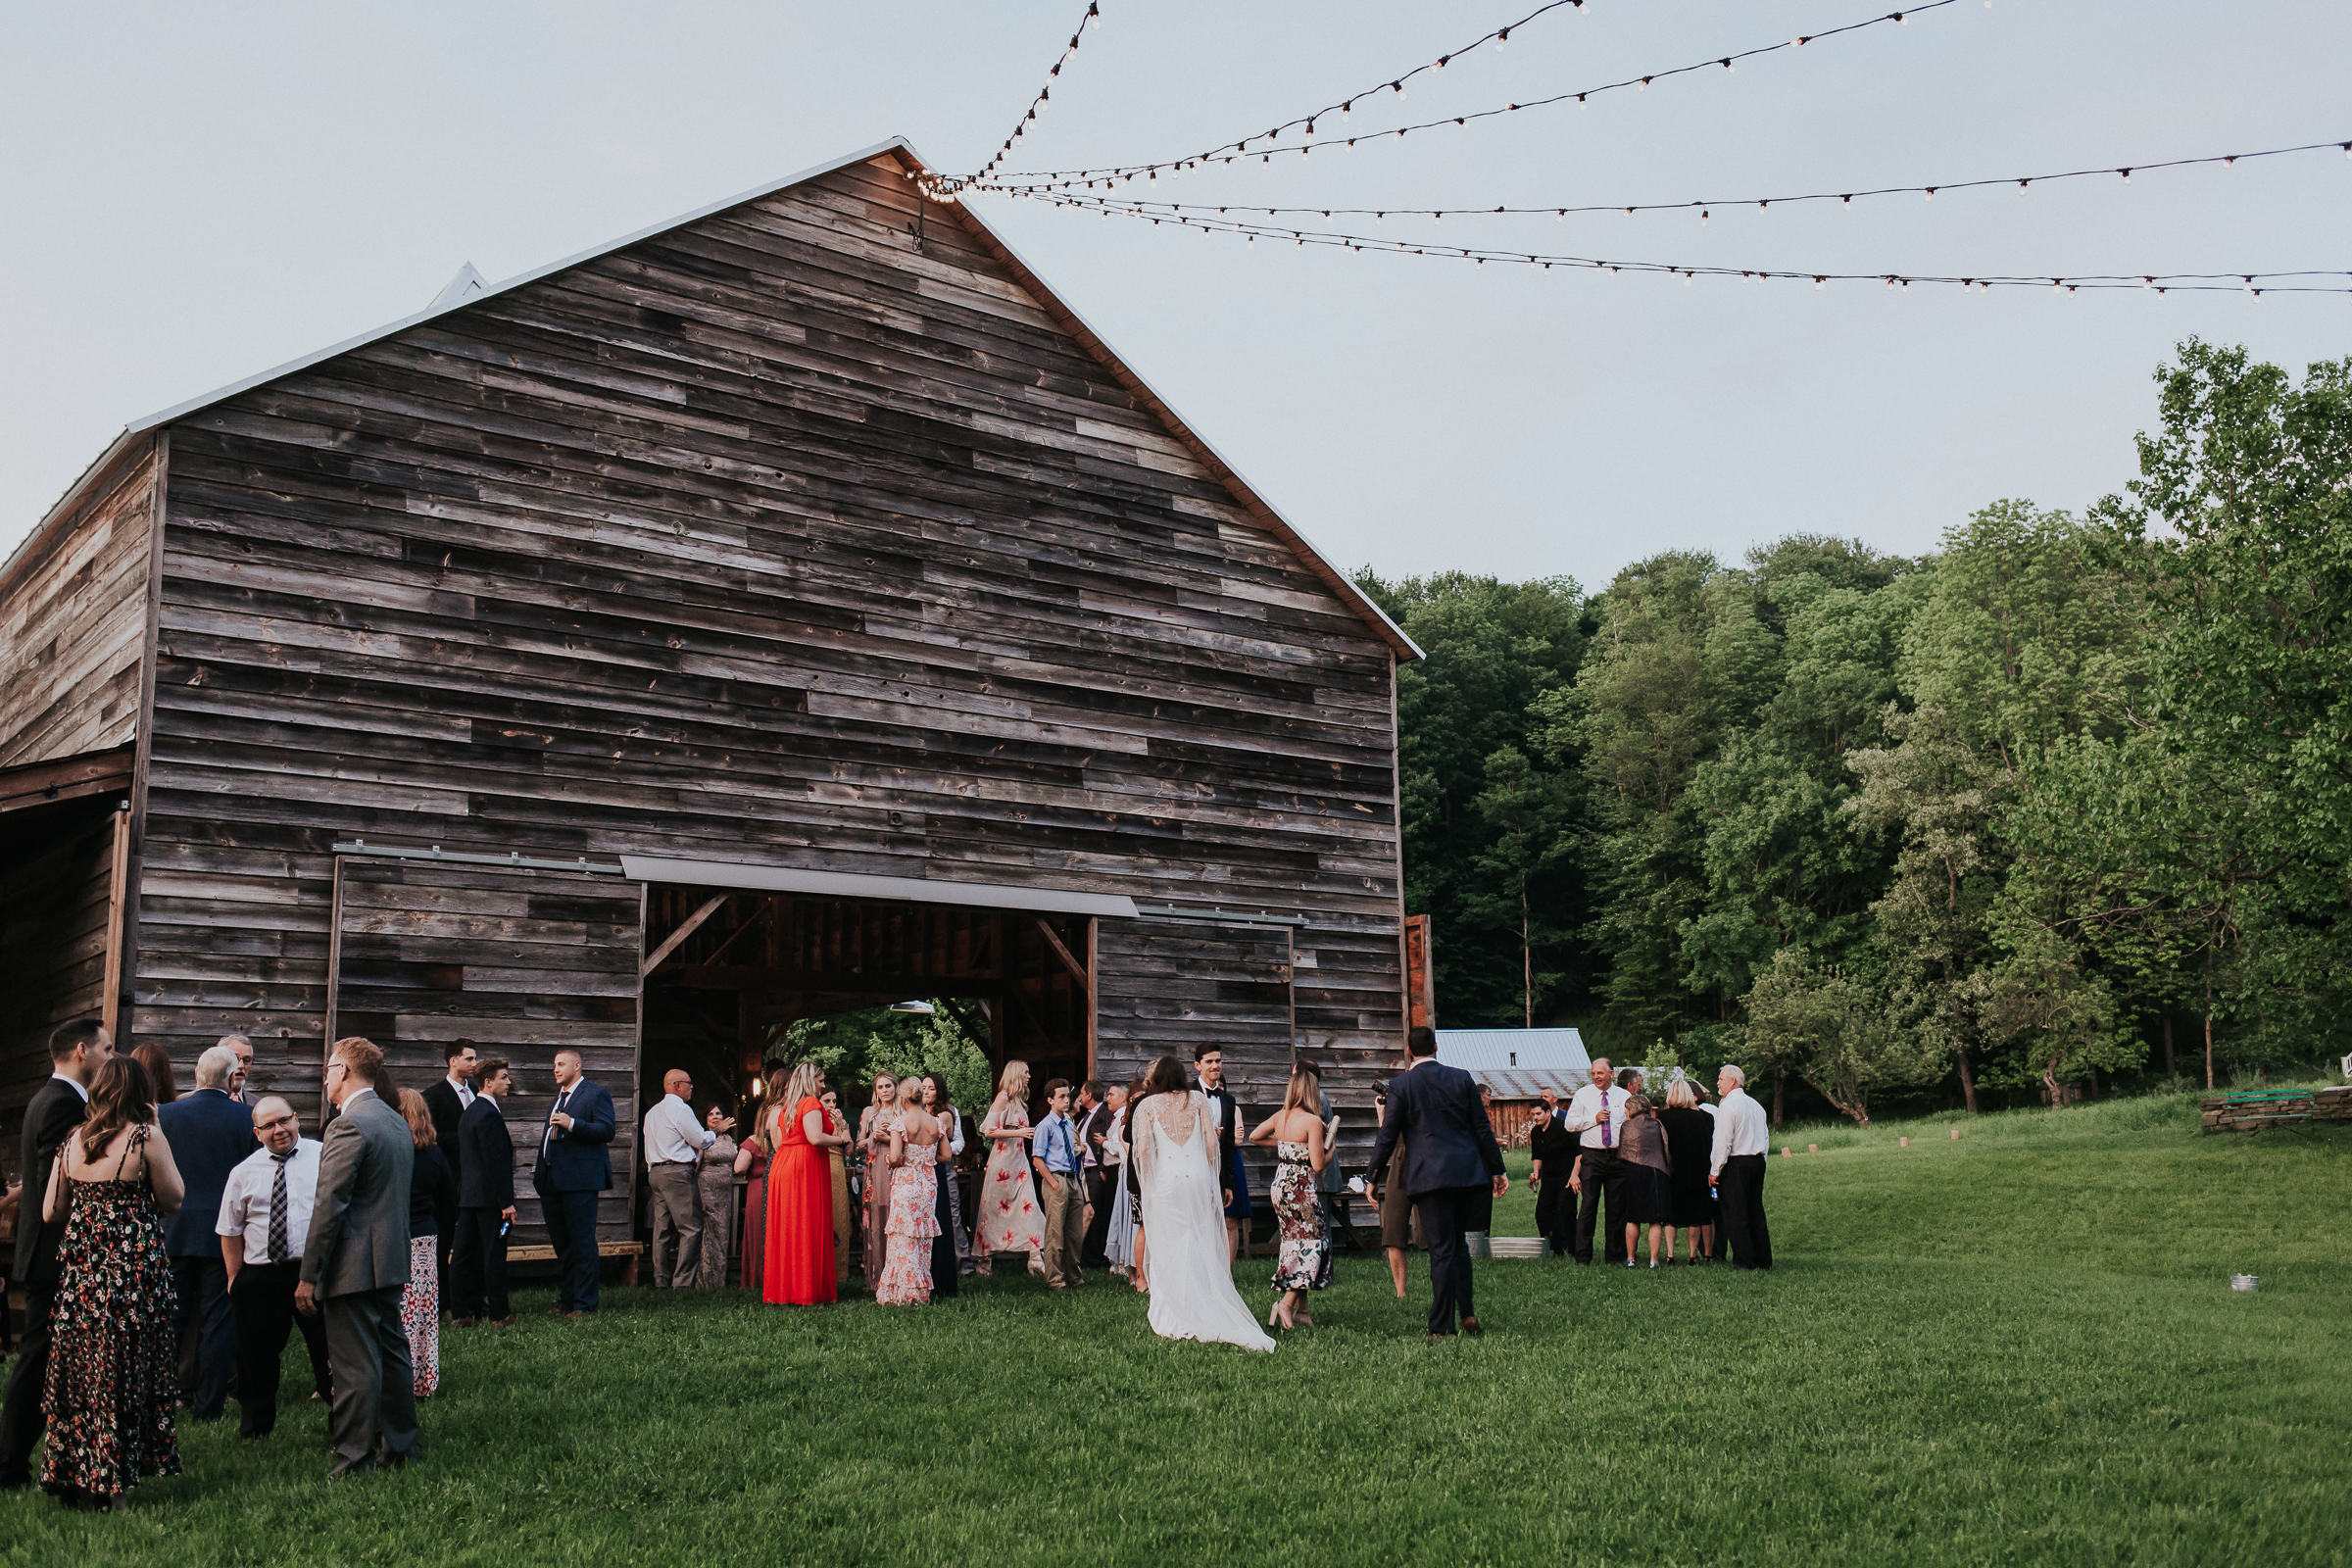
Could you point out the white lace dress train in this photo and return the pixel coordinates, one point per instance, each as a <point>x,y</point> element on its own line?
<point>1184,1224</point>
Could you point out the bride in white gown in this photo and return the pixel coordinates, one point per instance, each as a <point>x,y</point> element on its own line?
<point>1172,1137</point>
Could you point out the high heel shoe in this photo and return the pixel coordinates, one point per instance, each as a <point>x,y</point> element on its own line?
<point>1281,1317</point>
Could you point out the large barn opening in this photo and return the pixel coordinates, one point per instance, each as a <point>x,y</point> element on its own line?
<point>731,971</point>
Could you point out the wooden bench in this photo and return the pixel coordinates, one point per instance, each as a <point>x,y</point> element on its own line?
<point>632,1250</point>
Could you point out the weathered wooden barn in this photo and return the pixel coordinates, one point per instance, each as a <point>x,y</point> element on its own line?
<point>790,609</point>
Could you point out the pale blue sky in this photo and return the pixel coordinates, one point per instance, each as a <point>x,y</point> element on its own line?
<point>193,193</point>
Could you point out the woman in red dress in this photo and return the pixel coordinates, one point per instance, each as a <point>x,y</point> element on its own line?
<point>799,1197</point>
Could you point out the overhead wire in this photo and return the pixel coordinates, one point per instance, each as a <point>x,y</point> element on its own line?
<point>1236,151</point>
<point>1702,207</point>
<point>1044,95</point>
<point>2254,283</point>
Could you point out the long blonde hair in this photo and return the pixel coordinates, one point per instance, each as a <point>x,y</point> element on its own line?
<point>803,1085</point>
<point>1306,1091</point>
<point>1014,1085</point>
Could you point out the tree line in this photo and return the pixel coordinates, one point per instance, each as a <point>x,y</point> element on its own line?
<point>2066,800</point>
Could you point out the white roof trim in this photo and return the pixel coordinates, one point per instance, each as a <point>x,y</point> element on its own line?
<point>848,885</point>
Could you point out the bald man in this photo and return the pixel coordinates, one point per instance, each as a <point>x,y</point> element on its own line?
<point>674,1141</point>
<point>262,1225</point>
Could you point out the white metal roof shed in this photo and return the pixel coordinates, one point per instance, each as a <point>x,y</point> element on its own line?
<point>1525,1049</point>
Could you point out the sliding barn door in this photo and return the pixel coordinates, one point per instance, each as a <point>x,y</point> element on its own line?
<point>1163,988</point>
<point>524,964</point>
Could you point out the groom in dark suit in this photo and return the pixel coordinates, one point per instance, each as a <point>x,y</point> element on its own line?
<point>1452,1162</point>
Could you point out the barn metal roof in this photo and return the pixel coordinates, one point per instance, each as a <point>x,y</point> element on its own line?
<point>1508,1085</point>
<point>1509,1050</point>
<point>899,148</point>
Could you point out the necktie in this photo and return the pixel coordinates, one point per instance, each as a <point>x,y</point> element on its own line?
<point>277,1207</point>
<point>1604,1119</point>
<point>547,1142</point>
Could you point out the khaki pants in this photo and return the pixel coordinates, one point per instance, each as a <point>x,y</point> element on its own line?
<point>1065,1227</point>
<point>677,1224</point>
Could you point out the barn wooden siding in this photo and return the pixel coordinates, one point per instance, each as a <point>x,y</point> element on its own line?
<point>793,536</point>
<point>73,622</point>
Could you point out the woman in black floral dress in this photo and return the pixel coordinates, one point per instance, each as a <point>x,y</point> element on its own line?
<point>114,1358</point>
<point>1301,1151</point>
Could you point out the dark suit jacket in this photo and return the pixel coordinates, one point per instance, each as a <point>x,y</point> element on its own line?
<point>485,1157</point>
<point>359,1236</point>
<point>210,1134</point>
<point>577,1159</point>
<point>447,1110</point>
<point>55,1110</point>
<point>1448,1141</point>
<point>1229,1109</point>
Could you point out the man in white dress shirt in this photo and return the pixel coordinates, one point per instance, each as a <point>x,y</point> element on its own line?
<point>674,1142</point>
<point>1597,1117</point>
<point>1743,1140</point>
<point>264,1221</point>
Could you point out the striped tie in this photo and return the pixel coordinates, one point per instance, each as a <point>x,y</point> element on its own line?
<point>278,1208</point>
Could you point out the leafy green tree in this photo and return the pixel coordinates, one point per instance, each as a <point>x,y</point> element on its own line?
<point>1814,1020</point>
<point>1531,812</point>
<point>1493,649</point>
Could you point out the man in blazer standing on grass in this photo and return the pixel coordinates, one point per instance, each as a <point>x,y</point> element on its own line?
<point>575,1168</point>
<point>1451,1162</point>
<point>355,1264</point>
<point>478,1267</point>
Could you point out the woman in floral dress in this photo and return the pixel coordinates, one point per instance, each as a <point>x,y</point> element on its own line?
<point>873,1140</point>
<point>430,1184</point>
<point>1305,1263</point>
<point>1009,1218</point>
<point>114,1355</point>
<point>905,1278</point>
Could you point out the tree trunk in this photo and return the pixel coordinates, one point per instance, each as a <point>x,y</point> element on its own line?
<point>1527,960</point>
<point>2050,1078</point>
<point>2168,1044</point>
<point>1780,1082</point>
<point>2208,1021</point>
<point>1968,1081</point>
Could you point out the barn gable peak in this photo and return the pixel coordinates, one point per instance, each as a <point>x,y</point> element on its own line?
<point>468,286</point>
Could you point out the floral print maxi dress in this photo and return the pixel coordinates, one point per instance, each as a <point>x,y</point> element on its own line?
<point>1305,1262</point>
<point>114,1356</point>
<point>1009,1219</point>
<point>913,1220</point>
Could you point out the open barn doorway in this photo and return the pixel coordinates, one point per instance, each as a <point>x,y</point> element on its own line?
<point>729,972</point>
<point>737,982</point>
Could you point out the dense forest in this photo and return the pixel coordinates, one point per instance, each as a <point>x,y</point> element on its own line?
<point>2068,802</point>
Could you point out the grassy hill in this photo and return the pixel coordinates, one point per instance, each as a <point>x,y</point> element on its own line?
<point>2019,1346</point>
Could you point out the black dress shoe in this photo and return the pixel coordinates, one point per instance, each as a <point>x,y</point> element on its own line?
<point>1470,1325</point>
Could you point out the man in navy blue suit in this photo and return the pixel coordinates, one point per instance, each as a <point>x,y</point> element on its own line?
<point>1451,1162</point>
<point>211,1134</point>
<point>574,1167</point>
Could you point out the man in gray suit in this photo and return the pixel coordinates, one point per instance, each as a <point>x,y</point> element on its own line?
<point>356,1262</point>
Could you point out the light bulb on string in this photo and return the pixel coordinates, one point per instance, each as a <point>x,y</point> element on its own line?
<point>1502,40</point>
<point>1093,17</point>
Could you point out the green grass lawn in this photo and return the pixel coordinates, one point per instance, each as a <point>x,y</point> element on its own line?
<point>2017,1347</point>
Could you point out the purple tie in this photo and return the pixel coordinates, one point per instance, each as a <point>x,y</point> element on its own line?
<point>1604,1119</point>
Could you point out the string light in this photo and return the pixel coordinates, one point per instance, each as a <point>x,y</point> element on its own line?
<point>1228,152</point>
<point>1761,203</point>
<point>2295,282</point>
<point>1038,104</point>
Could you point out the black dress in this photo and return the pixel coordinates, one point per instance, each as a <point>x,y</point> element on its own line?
<point>1691,1140</point>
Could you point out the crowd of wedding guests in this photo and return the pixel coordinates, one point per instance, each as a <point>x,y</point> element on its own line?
<point>170,1246</point>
